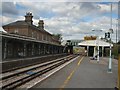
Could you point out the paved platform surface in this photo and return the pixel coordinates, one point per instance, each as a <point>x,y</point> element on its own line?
<point>83,73</point>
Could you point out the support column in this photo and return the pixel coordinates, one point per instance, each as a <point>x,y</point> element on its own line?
<point>49,50</point>
<point>39,49</point>
<point>44,48</point>
<point>52,49</point>
<point>5,50</point>
<point>102,51</point>
<point>94,52</point>
<point>29,50</point>
<point>60,50</point>
<point>55,50</point>
<point>32,49</point>
<point>87,50</point>
<point>24,49</point>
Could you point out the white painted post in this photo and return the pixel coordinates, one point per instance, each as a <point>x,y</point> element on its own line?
<point>110,59</point>
<point>103,51</point>
<point>87,50</point>
<point>94,52</point>
<point>98,50</point>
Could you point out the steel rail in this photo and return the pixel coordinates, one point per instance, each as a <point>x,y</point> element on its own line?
<point>42,65</point>
<point>25,79</point>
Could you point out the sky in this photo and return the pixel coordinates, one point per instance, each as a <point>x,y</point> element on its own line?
<point>73,20</point>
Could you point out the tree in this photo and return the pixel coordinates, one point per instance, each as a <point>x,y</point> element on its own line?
<point>119,42</point>
<point>58,36</point>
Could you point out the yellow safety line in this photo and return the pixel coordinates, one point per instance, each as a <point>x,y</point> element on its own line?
<point>71,74</point>
<point>80,61</point>
<point>118,82</point>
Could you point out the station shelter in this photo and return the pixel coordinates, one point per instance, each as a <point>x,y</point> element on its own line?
<point>91,46</point>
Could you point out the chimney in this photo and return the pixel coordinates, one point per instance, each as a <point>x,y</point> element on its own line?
<point>41,24</point>
<point>28,17</point>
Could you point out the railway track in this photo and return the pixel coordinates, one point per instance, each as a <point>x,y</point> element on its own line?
<point>16,78</point>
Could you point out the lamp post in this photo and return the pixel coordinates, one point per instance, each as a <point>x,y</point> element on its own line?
<point>116,30</point>
<point>110,58</point>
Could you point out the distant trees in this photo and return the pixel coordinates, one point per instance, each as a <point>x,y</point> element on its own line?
<point>119,42</point>
<point>58,36</point>
<point>107,40</point>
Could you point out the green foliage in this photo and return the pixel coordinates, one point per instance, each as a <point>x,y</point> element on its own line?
<point>58,36</point>
<point>115,50</point>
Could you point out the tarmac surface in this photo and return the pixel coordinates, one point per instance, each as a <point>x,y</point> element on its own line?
<point>83,73</point>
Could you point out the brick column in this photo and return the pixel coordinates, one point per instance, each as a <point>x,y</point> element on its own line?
<point>39,49</point>
<point>24,49</point>
<point>44,50</point>
<point>5,49</point>
<point>32,49</point>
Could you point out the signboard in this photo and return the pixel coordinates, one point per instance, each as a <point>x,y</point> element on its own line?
<point>90,38</point>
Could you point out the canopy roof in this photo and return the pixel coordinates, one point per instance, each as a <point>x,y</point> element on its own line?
<point>2,30</point>
<point>95,43</point>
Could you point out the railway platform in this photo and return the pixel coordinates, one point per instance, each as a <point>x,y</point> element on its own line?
<point>83,73</point>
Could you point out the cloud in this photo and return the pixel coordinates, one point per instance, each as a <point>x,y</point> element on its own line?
<point>72,10</point>
<point>106,8</point>
<point>9,8</point>
<point>71,19</point>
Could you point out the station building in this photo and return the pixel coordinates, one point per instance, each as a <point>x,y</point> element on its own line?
<point>23,39</point>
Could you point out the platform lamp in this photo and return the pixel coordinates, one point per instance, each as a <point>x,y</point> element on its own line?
<point>116,30</point>
<point>110,32</point>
